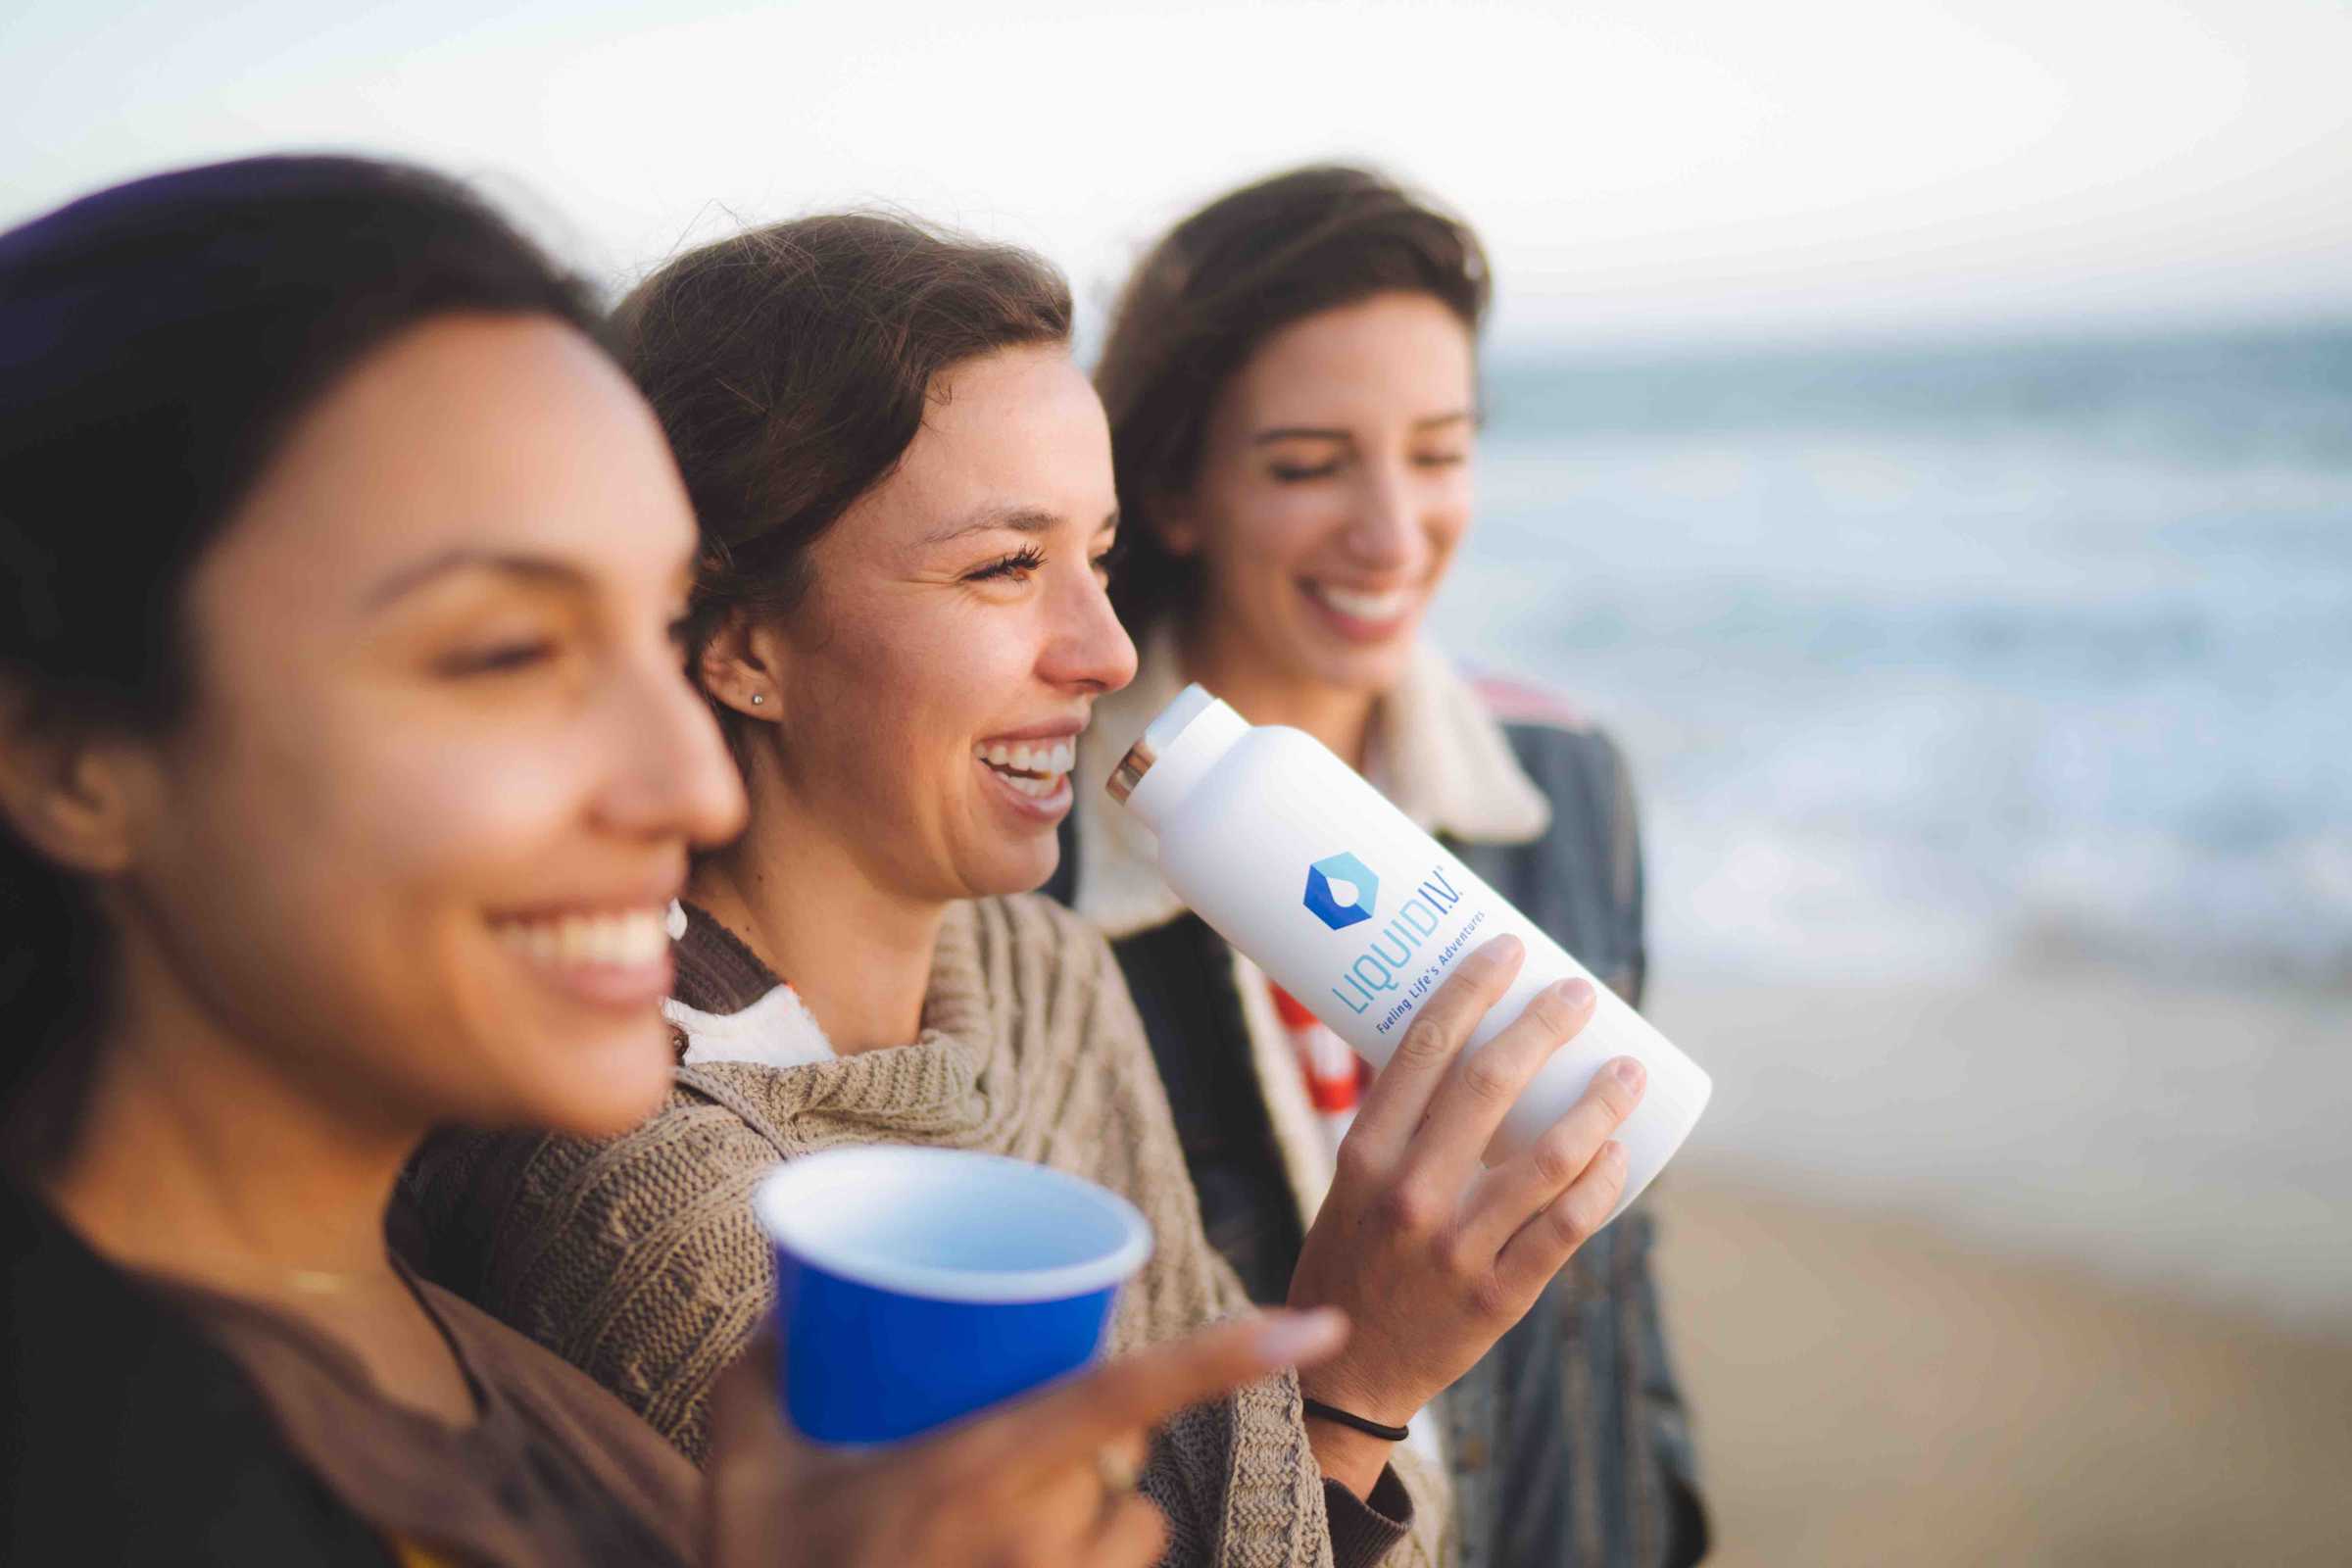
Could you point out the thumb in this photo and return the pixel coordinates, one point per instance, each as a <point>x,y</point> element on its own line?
<point>1078,1417</point>
<point>747,1413</point>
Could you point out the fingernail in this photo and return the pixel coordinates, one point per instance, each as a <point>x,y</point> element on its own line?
<point>1505,946</point>
<point>1629,1071</point>
<point>1615,1150</point>
<point>1302,1335</point>
<point>1577,993</point>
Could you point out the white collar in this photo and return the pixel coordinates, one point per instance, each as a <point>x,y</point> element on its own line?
<point>1437,750</point>
<point>776,1031</point>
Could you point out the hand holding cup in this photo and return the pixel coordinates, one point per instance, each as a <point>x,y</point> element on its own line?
<point>1047,1478</point>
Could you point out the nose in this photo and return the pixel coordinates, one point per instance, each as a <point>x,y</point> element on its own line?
<point>1085,648</point>
<point>1386,534</point>
<point>668,774</point>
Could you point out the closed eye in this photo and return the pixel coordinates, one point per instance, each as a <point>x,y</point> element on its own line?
<point>502,658</point>
<point>1011,567</point>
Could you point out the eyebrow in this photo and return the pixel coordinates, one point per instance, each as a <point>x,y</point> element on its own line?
<point>1312,432</point>
<point>1016,518</point>
<point>539,570</point>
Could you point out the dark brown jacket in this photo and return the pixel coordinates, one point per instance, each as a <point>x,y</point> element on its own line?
<point>155,1423</point>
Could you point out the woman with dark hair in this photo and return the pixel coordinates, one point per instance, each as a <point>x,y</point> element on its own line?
<point>347,767</point>
<point>905,492</point>
<point>1290,379</point>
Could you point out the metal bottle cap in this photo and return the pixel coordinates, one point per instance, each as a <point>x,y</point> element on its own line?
<point>1131,770</point>
<point>1161,734</point>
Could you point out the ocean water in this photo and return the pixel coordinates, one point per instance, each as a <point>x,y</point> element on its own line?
<point>1936,658</point>
<point>1991,707</point>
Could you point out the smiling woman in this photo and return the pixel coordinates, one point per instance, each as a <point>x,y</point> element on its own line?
<point>1291,382</point>
<point>962,596</point>
<point>478,638</point>
<point>293,568</point>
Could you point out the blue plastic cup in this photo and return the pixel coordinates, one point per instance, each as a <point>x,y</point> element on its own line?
<point>915,1286</point>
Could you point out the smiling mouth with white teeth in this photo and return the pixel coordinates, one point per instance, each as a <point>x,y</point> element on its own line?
<point>1037,769</point>
<point>1357,605</point>
<point>615,938</point>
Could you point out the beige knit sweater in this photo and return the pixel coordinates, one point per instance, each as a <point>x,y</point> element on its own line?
<point>638,1258</point>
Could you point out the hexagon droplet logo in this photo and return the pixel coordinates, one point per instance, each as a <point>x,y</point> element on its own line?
<point>1340,890</point>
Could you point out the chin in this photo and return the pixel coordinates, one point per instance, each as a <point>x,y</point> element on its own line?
<point>1371,670</point>
<point>608,1084</point>
<point>1017,868</point>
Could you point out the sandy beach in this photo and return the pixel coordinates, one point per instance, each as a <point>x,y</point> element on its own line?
<point>1883,1372</point>
<point>2187,1139</point>
<point>1872,1391</point>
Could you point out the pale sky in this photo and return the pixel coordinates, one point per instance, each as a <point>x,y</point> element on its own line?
<point>1641,169</point>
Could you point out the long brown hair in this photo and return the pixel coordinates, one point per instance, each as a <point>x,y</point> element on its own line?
<point>1221,283</point>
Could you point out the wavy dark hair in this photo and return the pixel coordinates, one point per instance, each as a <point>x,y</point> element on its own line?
<point>791,367</point>
<point>157,342</point>
<point>1216,287</point>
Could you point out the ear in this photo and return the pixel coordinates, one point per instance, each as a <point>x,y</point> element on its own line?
<point>70,791</point>
<point>742,666</point>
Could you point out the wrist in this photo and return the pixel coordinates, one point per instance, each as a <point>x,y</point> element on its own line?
<point>1332,1384</point>
<point>1354,1459</point>
<point>1315,1410</point>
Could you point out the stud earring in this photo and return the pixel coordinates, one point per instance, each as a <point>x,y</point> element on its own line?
<point>757,697</point>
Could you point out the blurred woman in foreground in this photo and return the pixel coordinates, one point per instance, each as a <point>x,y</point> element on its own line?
<point>339,580</point>
<point>905,491</point>
<point>1291,385</point>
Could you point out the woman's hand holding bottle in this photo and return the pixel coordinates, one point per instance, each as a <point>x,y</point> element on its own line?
<point>1432,1257</point>
<point>1047,1479</point>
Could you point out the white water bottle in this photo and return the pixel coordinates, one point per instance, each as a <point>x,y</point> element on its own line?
<point>1349,906</point>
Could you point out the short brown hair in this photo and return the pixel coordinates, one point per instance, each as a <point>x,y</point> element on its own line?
<point>790,366</point>
<point>1217,287</point>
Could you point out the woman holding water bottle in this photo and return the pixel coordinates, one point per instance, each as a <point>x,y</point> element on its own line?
<point>1290,379</point>
<point>906,497</point>
<point>339,572</point>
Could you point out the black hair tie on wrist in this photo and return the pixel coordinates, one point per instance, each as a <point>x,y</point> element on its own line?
<point>1348,1418</point>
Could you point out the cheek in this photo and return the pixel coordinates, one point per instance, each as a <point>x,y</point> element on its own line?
<point>441,822</point>
<point>1448,522</point>
<point>331,890</point>
<point>896,707</point>
<point>409,848</point>
<point>470,817</point>
<point>1267,535</point>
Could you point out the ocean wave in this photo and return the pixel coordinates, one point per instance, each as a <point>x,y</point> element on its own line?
<point>2041,677</point>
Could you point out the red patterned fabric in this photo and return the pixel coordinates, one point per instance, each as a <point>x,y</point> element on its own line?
<point>1335,1074</point>
<point>1516,701</point>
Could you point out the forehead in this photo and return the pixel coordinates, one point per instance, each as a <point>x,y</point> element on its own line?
<point>509,435</point>
<point>1404,353</point>
<point>1019,429</point>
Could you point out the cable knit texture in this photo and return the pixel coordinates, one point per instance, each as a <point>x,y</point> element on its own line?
<point>638,1258</point>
